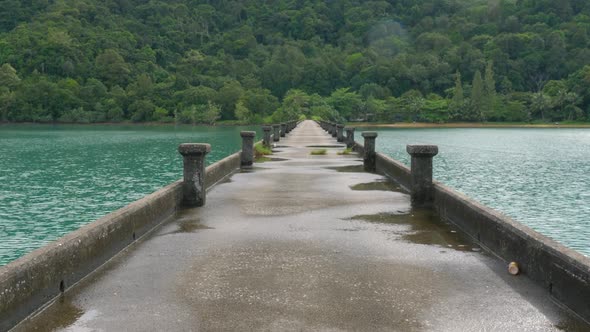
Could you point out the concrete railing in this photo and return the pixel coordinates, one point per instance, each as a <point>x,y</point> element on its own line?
<point>31,281</point>
<point>563,272</point>
<point>37,278</point>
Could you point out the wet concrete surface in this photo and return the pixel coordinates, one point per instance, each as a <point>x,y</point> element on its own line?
<point>306,243</point>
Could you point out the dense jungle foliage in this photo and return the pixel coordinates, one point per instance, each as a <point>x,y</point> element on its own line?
<point>198,61</point>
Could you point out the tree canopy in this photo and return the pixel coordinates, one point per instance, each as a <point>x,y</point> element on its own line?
<point>197,61</point>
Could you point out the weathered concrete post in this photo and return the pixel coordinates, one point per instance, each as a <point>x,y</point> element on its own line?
<point>193,185</point>
<point>276,136</point>
<point>349,137</point>
<point>422,188</point>
<point>340,133</point>
<point>247,155</point>
<point>334,130</point>
<point>283,129</point>
<point>369,158</point>
<point>266,138</point>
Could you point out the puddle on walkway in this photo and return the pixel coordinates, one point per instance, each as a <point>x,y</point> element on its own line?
<point>59,315</point>
<point>378,185</point>
<point>348,169</point>
<point>188,221</point>
<point>327,146</point>
<point>425,228</point>
<point>190,226</point>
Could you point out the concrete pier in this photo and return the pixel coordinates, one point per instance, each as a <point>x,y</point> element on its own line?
<point>267,130</point>
<point>193,186</point>
<point>247,156</point>
<point>340,133</point>
<point>276,136</point>
<point>369,157</point>
<point>349,137</point>
<point>422,191</point>
<point>283,129</point>
<point>305,243</point>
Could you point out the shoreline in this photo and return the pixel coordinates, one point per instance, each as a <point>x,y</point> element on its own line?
<point>467,125</point>
<point>409,125</point>
<point>129,124</point>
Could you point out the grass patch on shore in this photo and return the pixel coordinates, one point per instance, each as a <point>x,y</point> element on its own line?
<point>318,152</point>
<point>346,151</point>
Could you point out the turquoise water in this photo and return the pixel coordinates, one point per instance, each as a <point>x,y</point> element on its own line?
<point>54,179</point>
<point>540,177</point>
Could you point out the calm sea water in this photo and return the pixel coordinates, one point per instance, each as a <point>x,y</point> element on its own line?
<point>54,179</point>
<point>540,177</point>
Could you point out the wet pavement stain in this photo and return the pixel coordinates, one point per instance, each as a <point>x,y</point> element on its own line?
<point>62,313</point>
<point>267,159</point>
<point>378,185</point>
<point>188,221</point>
<point>348,169</point>
<point>293,286</point>
<point>571,324</point>
<point>190,226</point>
<point>327,146</point>
<point>425,228</point>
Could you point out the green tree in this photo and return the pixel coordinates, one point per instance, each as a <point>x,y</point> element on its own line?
<point>347,103</point>
<point>243,114</point>
<point>111,66</point>
<point>540,104</point>
<point>8,77</point>
<point>476,105</point>
<point>227,97</point>
<point>457,104</point>
<point>489,99</point>
<point>9,80</point>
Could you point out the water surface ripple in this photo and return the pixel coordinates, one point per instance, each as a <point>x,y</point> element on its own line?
<point>540,177</point>
<point>54,179</point>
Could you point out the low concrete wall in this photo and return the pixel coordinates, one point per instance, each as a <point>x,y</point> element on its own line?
<point>565,273</point>
<point>394,170</point>
<point>219,170</point>
<point>35,279</point>
<point>358,148</point>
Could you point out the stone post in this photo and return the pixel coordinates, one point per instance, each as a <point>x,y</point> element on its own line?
<point>276,136</point>
<point>193,185</point>
<point>247,155</point>
<point>422,187</point>
<point>369,158</point>
<point>334,130</point>
<point>266,139</point>
<point>283,129</point>
<point>340,133</point>
<point>349,137</point>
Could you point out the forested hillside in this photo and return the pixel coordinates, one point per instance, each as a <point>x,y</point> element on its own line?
<point>197,61</point>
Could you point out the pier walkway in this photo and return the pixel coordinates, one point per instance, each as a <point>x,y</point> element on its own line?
<point>304,243</point>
